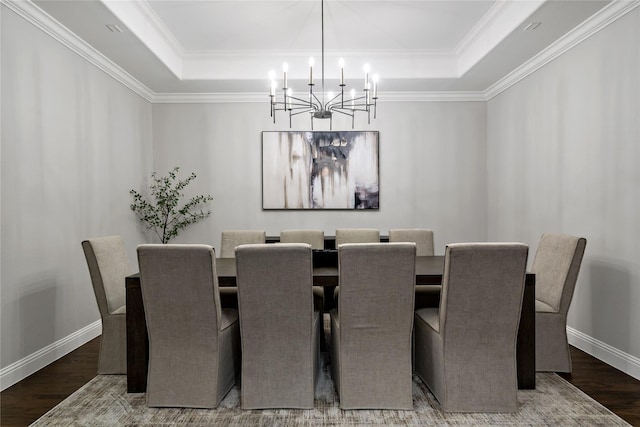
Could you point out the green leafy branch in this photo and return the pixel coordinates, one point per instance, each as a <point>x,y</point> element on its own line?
<point>162,214</point>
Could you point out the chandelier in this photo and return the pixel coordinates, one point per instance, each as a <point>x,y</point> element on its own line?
<point>317,108</point>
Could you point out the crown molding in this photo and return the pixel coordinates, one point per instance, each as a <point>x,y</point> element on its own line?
<point>229,66</point>
<point>145,24</point>
<point>213,98</point>
<point>485,22</point>
<point>433,96</point>
<point>43,21</point>
<point>499,21</point>
<point>591,26</point>
<point>330,53</point>
<point>209,98</point>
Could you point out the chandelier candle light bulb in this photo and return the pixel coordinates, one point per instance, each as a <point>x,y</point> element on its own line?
<point>311,63</point>
<point>375,86</point>
<point>285,68</point>
<point>366,68</point>
<point>274,84</point>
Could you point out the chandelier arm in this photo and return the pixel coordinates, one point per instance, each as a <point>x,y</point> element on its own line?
<point>352,109</point>
<point>298,109</point>
<point>355,104</point>
<point>315,104</point>
<point>356,99</point>
<point>328,106</point>
<point>301,106</point>
<point>304,101</point>
<point>296,104</point>
<point>350,113</point>
<point>308,110</point>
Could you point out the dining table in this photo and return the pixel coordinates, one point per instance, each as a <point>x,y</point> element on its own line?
<point>429,271</point>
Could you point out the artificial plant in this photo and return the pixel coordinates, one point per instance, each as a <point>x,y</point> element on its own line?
<point>163,213</point>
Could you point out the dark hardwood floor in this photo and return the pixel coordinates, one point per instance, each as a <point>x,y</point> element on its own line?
<point>26,401</point>
<point>619,392</point>
<point>29,399</point>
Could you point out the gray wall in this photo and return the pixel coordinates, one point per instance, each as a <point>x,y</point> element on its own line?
<point>432,168</point>
<point>74,141</point>
<point>564,156</point>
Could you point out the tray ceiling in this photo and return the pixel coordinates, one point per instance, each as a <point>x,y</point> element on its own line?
<point>229,46</point>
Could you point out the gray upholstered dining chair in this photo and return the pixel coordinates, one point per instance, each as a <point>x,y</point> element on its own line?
<point>232,238</point>
<point>465,350</point>
<point>229,240</point>
<point>371,328</point>
<point>194,344</point>
<point>556,266</point>
<point>108,266</point>
<point>315,238</point>
<point>422,237</point>
<point>279,327</point>
<point>426,295</point>
<point>357,235</point>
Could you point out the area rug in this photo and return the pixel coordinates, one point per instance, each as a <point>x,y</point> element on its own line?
<point>104,401</point>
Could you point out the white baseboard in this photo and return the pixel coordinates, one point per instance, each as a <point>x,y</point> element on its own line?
<point>21,369</point>
<point>626,363</point>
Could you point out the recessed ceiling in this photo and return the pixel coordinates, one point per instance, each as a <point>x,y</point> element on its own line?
<point>223,46</point>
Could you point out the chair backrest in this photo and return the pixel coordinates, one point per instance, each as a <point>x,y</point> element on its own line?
<point>233,238</point>
<point>180,292</point>
<point>357,235</point>
<point>275,301</point>
<point>315,238</point>
<point>423,238</point>
<point>556,266</point>
<point>275,295</point>
<point>481,298</point>
<point>376,299</point>
<point>108,266</point>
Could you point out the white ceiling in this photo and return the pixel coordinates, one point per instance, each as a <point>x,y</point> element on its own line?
<point>229,46</point>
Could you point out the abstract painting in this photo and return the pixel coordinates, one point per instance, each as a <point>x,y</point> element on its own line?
<point>320,170</point>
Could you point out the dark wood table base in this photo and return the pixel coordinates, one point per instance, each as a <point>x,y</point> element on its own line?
<point>137,338</point>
